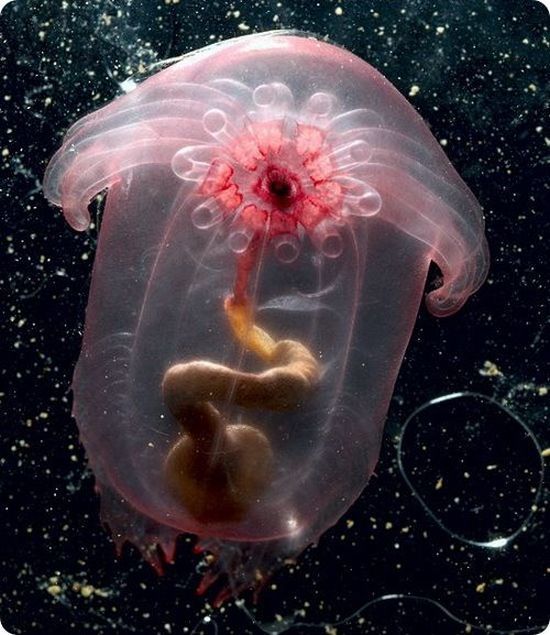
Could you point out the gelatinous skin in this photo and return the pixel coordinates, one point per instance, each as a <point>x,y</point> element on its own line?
<point>273,205</point>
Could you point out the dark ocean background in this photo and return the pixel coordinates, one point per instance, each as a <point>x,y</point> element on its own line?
<point>451,536</point>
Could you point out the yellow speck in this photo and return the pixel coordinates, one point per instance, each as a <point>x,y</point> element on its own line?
<point>490,369</point>
<point>54,589</point>
<point>439,483</point>
<point>480,588</point>
<point>545,452</point>
<point>338,10</point>
<point>86,590</point>
<point>102,593</point>
<point>414,90</point>
<point>106,19</point>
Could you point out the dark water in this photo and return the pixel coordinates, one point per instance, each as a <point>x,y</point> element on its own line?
<point>451,535</point>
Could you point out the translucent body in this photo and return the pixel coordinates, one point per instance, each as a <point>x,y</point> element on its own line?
<point>287,175</point>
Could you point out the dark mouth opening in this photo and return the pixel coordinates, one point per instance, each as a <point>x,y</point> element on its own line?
<point>280,186</point>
